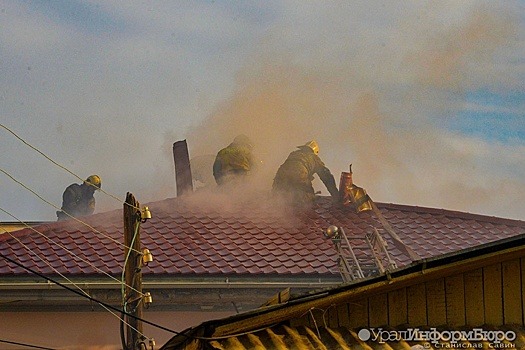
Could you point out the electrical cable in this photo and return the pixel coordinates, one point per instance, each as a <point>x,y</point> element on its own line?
<point>107,306</point>
<point>61,166</point>
<point>67,250</point>
<point>87,296</point>
<point>73,283</point>
<point>122,333</point>
<point>232,335</point>
<point>26,345</point>
<point>63,286</point>
<point>71,216</point>
<point>126,313</point>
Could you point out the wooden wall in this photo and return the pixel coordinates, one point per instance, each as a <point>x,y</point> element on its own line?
<point>494,294</point>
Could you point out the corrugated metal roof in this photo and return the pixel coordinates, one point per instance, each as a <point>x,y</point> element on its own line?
<point>285,337</point>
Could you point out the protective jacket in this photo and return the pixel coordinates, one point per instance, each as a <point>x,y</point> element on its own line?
<point>231,162</point>
<point>294,177</point>
<point>77,201</point>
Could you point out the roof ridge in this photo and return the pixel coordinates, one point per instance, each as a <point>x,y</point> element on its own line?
<point>451,213</point>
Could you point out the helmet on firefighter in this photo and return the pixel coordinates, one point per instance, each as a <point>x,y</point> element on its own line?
<point>94,180</point>
<point>243,140</point>
<point>312,145</point>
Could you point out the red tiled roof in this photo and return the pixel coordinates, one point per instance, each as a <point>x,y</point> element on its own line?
<point>195,238</point>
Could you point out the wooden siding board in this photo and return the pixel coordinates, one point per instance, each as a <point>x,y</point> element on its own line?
<point>492,291</point>
<point>474,303</point>
<point>378,310</point>
<point>436,302</point>
<point>300,321</point>
<point>417,305</point>
<point>358,313</point>
<point>333,317</point>
<point>397,307</point>
<point>455,298</point>
<point>512,307</point>
<point>343,315</point>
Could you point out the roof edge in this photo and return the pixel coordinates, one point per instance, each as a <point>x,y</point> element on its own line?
<point>16,283</point>
<point>451,213</point>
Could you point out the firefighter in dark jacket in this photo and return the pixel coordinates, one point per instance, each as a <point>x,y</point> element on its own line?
<point>235,161</point>
<point>78,200</point>
<point>294,177</point>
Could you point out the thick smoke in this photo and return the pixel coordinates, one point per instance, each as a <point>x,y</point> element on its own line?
<point>383,114</point>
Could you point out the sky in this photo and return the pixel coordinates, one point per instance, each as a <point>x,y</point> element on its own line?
<point>425,99</point>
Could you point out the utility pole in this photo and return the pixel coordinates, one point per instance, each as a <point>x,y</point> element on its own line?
<point>133,276</point>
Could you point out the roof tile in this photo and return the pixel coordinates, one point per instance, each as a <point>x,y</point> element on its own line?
<point>187,237</point>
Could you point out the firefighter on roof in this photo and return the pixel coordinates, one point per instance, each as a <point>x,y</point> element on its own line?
<point>294,177</point>
<point>235,161</point>
<point>78,200</point>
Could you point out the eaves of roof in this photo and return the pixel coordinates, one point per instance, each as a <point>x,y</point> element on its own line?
<point>202,282</point>
<point>185,294</point>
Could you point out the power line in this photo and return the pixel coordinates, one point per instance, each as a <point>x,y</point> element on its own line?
<point>64,286</point>
<point>67,279</point>
<point>125,312</point>
<point>59,165</point>
<point>69,251</point>
<point>87,296</point>
<point>25,344</point>
<point>71,216</point>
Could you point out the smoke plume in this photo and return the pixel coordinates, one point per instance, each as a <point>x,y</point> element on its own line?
<point>383,114</point>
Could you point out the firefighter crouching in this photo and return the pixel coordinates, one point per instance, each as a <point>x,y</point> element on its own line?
<point>78,200</point>
<point>294,177</point>
<point>234,162</point>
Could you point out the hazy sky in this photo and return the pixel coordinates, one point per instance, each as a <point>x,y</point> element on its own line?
<point>425,98</point>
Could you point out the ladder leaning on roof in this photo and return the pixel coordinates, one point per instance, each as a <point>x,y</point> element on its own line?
<point>349,266</point>
<point>378,246</point>
<point>356,197</point>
